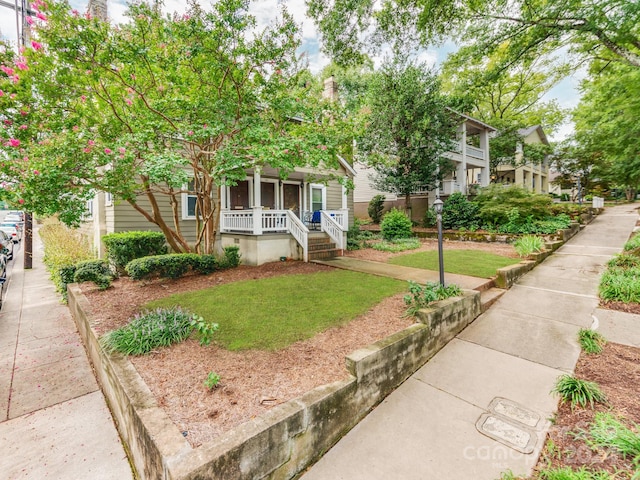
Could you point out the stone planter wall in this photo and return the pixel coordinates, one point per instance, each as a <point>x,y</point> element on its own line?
<point>289,437</point>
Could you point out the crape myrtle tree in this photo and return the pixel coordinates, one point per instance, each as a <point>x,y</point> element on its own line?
<point>142,109</point>
<point>407,129</point>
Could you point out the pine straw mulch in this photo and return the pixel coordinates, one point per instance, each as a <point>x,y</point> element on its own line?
<point>617,371</point>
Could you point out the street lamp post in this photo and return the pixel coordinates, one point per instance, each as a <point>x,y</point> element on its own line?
<point>438,207</point>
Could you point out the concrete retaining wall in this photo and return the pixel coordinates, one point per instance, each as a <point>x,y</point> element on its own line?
<point>289,437</point>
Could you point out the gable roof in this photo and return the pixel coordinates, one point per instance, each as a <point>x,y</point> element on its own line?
<point>525,132</point>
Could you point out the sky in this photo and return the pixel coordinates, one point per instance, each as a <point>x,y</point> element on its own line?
<point>566,92</point>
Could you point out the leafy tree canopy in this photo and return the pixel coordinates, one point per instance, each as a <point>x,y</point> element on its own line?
<point>138,109</point>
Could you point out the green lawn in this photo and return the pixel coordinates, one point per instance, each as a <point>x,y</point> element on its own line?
<point>269,314</point>
<point>464,262</point>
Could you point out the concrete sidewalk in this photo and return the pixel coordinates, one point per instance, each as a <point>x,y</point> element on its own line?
<point>54,422</point>
<point>481,405</point>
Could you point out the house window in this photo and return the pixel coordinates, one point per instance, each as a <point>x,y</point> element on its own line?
<point>189,201</point>
<point>108,199</point>
<point>318,197</point>
<point>88,214</point>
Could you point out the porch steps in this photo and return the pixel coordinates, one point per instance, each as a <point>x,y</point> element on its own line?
<point>321,247</point>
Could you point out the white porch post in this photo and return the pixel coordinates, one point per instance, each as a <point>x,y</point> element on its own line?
<point>345,206</point>
<point>461,171</point>
<point>485,172</point>
<point>223,195</point>
<point>257,203</point>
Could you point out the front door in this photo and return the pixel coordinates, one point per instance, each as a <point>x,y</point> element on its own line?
<point>291,200</point>
<point>239,196</point>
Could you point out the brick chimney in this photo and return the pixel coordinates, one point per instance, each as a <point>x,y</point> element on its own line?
<point>330,89</point>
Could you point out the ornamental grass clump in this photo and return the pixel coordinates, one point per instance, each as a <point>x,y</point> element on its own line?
<point>578,392</point>
<point>528,244</point>
<point>609,432</point>
<point>397,245</point>
<point>420,296</point>
<point>152,329</point>
<point>591,341</point>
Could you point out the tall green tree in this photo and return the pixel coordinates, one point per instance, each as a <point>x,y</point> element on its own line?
<point>407,129</point>
<point>143,109</point>
<point>607,126</point>
<point>607,29</point>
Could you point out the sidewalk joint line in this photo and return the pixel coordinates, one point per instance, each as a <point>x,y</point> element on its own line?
<point>562,292</point>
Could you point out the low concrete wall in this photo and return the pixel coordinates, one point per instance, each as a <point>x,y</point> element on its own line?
<point>288,438</point>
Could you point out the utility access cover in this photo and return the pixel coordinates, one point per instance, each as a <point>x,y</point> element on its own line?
<point>510,424</point>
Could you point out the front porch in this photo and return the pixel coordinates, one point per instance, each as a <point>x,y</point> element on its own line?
<point>282,218</point>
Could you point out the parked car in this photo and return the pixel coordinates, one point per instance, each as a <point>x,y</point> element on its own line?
<point>6,245</point>
<point>18,213</point>
<point>13,232</point>
<point>3,275</point>
<point>11,223</point>
<point>14,218</point>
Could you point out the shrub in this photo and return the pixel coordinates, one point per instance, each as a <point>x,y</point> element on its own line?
<point>212,380</point>
<point>171,265</point>
<point>231,257</point>
<point>150,330</point>
<point>591,341</point>
<point>497,204</point>
<point>397,245</point>
<point>430,218</point>
<point>421,296</point>
<point>621,284</point>
<point>395,224</point>
<point>376,205</point>
<point>577,391</point>
<point>63,248</point>
<point>96,271</point>
<point>126,246</point>
<point>624,260</point>
<point>632,244</point>
<point>528,244</point>
<point>458,212</point>
<point>206,264</point>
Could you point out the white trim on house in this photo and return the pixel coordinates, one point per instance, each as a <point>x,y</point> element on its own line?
<point>323,189</point>
<point>184,200</point>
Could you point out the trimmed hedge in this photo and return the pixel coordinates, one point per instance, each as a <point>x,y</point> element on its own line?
<point>96,271</point>
<point>395,224</point>
<point>126,246</point>
<point>175,265</point>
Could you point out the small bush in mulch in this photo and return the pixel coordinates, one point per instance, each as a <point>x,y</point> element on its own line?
<point>395,224</point>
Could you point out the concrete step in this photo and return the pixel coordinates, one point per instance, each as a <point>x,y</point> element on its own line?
<point>323,254</point>
<point>490,296</point>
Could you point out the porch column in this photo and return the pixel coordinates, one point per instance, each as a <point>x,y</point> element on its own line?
<point>223,195</point>
<point>257,202</point>
<point>485,171</point>
<point>461,170</point>
<point>345,209</point>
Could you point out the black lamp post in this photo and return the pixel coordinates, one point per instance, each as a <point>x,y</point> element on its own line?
<point>437,205</point>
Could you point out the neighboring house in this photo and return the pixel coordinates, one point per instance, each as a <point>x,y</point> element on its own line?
<point>532,176</point>
<point>471,160</point>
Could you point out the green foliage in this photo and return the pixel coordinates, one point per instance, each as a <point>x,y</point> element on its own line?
<point>624,261</point>
<point>265,314</point>
<point>231,257</point>
<point>126,246</point>
<point>609,432</point>
<point>204,329</point>
<point>356,237</point>
<point>376,205</point>
<point>591,341</point>
<point>407,128</point>
<point>458,212</point>
<point>620,284</point>
<point>397,245</point>
<point>463,262</point>
<point>567,473</point>
<point>63,249</point>
<point>96,271</point>
<point>528,244</point>
<point>395,224</point>
<point>421,296</point>
<point>633,243</point>
<point>150,330</point>
<point>430,218</point>
<point>212,380</point>
<point>578,392</point>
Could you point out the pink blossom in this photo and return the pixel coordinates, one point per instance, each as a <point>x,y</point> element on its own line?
<point>13,95</point>
<point>36,172</point>
<point>14,142</point>
<point>75,12</point>
<point>23,127</point>
<point>190,132</point>
<point>7,122</point>
<point>128,101</point>
<point>122,150</point>
<point>22,65</point>
<point>87,16</point>
<point>205,126</point>
<point>286,150</point>
<point>36,45</point>
<point>8,70</point>
<point>1,93</point>
<point>75,128</point>
<point>91,143</point>
<point>24,113</point>
<point>322,147</point>
<point>83,98</point>
<point>107,151</point>
<point>86,150</point>
<point>129,90</point>
<point>41,16</point>
<point>21,201</point>
<point>29,20</point>
<point>14,78</point>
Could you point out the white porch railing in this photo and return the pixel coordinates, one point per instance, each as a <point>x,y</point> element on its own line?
<point>333,222</point>
<point>475,152</point>
<point>450,186</point>
<point>330,225</point>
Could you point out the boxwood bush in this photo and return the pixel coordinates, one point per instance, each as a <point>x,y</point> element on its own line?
<point>96,271</point>
<point>175,265</point>
<point>395,224</point>
<point>126,246</point>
